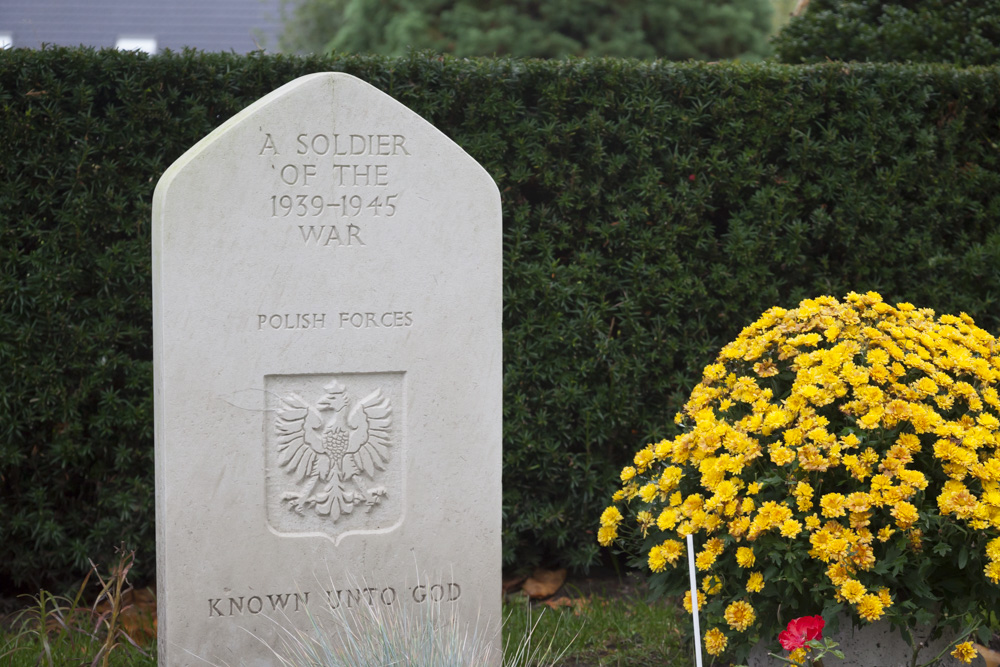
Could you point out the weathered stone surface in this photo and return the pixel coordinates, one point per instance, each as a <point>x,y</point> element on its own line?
<point>327,313</point>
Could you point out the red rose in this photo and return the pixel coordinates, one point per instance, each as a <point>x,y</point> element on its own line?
<point>800,631</point>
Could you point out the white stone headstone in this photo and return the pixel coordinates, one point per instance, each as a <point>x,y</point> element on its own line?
<point>327,353</point>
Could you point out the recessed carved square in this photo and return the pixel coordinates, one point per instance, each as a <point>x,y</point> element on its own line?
<point>335,453</point>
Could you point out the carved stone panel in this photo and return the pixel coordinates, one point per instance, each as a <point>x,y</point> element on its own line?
<point>335,449</point>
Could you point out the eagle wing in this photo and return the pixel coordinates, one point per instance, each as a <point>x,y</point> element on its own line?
<point>370,423</point>
<point>300,448</point>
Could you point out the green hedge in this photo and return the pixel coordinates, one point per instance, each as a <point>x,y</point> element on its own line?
<point>961,32</point>
<point>650,211</point>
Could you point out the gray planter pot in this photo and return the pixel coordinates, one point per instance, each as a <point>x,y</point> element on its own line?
<point>871,645</point>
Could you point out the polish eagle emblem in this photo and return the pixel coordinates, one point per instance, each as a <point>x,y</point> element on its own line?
<point>333,450</point>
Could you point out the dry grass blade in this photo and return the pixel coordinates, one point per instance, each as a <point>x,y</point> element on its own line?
<point>110,605</point>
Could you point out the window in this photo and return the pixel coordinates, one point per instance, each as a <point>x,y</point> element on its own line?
<point>136,43</point>
<point>6,40</point>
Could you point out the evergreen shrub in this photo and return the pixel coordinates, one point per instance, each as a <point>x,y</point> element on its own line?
<point>672,29</point>
<point>961,32</point>
<point>650,211</point>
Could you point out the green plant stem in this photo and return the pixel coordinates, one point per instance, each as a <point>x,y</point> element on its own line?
<point>930,633</point>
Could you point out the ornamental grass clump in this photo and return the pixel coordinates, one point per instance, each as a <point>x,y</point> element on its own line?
<point>839,456</point>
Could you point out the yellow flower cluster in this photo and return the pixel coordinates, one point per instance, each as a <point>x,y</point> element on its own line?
<point>838,426</point>
<point>610,519</point>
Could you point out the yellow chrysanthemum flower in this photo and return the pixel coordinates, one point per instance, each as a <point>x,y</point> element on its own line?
<point>965,652</point>
<point>870,607</point>
<point>832,504</point>
<point>905,513</point>
<point>687,600</point>
<point>645,521</point>
<point>606,535</point>
<point>704,560</point>
<point>745,557</point>
<point>838,573</point>
<point>766,368</point>
<point>790,528</point>
<point>858,501</point>
<point>782,455</point>
<point>648,492</point>
<point>670,478</point>
<point>715,641</point>
<point>715,545</point>
<point>755,584</point>
<point>668,519</point>
<point>611,516</point>
<point>853,590</point>
<point>642,459</point>
<point>740,615</point>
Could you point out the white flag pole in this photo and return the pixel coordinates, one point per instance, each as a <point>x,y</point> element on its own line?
<point>694,601</point>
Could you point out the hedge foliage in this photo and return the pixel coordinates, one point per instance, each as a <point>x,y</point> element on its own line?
<point>961,32</point>
<point>651,210</point>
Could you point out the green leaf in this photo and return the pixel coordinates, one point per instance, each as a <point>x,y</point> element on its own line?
<point>923,616</point>
<point>831,609</point>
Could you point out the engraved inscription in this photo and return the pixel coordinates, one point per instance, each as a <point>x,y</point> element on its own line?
<point>334,451</point>
<point>291,321</point>
<point>354,597</point>
<point>437,593</point>
<point>331,179</point>
<point>357,175</point>
<point>335,598</point>
<point>387,320</point>
<point>255,604</point>
<point>303,206</point>
<point>330,447</point>
<point>326,235</point>
<point>352,144</point>
<point>372,319</point>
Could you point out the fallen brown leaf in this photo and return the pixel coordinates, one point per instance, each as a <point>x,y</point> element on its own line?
<point>511,584</point>
<point>991,657</point>
<point>576,604</point>
<point>138,614</point>
<point>544,583</point>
